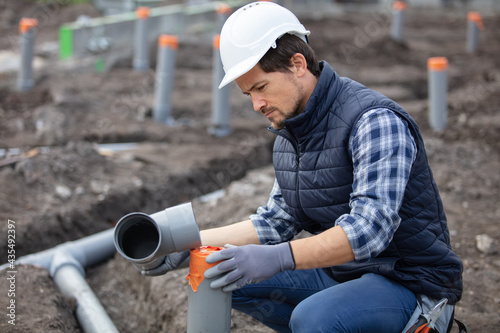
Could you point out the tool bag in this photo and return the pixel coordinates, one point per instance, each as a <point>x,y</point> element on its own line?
<point>444,323</point>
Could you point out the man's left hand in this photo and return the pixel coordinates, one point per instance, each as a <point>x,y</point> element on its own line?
<point>248,264</point>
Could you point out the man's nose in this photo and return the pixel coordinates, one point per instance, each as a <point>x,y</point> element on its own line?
<point>258,103</point>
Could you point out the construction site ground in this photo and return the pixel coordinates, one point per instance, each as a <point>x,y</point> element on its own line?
<point>65,184</point>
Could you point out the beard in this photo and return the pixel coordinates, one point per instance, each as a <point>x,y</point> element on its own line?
<point>280,116</point>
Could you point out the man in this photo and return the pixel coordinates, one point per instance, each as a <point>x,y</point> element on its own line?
<point>351,168</point>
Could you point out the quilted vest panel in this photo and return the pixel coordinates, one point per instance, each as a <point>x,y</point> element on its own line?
<point>314,170</point>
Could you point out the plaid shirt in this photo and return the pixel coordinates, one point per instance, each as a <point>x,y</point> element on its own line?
<point>383,151</point>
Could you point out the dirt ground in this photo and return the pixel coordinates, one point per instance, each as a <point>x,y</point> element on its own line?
<point>75,188</point>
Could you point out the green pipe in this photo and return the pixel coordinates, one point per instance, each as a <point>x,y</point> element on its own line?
<point>65,42</point>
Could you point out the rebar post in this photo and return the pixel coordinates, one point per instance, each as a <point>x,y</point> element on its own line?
<point>141,44</point>
<point>220,126</point>
<point>209,310</point>
<point>167,52</point>
<point>25,80</point>
<point>438,92</point>
<point>398,20</point>
<point>474,24</point>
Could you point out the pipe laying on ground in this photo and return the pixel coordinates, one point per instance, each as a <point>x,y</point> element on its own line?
<point>69,277</point>
<point>66,263</point>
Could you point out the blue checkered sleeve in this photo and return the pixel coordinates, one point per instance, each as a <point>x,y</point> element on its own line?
<point>272,222</point>
<point>383,151</point>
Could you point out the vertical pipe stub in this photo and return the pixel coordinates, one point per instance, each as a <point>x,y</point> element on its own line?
<point>167,52</point>
<point>25,79</point>
<point>141,40</point>
<point>398,18</point>
<point>168,41</point>
<point>143,13</point>
<point>26,24</point>
<point>223,11</point>
<point>438,92</point>
<point>209,310</point>
<point>220,123</point>
<point>474,24</point>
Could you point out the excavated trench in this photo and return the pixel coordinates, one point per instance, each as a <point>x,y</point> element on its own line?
<point>75,189</point>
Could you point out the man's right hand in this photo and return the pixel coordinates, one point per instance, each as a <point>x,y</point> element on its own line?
<point>171,262</point>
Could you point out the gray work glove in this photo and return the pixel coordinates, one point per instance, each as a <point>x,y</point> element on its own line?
<point>248,264</point>
<point>171,262</point>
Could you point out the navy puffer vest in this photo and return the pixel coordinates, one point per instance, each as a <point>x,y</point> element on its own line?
<point>314,170</point>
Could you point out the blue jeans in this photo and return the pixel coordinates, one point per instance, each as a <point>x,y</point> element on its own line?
<point>310,301</point>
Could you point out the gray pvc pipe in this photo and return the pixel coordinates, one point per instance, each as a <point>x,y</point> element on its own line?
<point>87,251</point>
<point>209,310</point>
<point>472,36</point>
<point>141,44</point>
<point>397,25</point>
<point>69,277</point>
<point>164,81</point>
<point>66,264</point>
<point>220,123</point>
<point>145,240</point>
<point>25,80</point>
<point>438,98</point>
<point>223,11</point>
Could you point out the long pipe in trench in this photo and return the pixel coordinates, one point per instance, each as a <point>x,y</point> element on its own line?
<point>66,263</point>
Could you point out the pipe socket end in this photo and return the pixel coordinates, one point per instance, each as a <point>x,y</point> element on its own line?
<point>145,240</point>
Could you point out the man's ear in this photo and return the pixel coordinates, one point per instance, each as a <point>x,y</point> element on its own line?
<point>299,64</point>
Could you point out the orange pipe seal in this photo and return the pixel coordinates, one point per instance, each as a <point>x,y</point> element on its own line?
<point>27,23</point>
<point>216,42</point>
<point>399,5</point>
<point>476,17</point>
<point>437,63</point>
<point>168,41</point>
<point>143,12</point>
<point>198,265</point>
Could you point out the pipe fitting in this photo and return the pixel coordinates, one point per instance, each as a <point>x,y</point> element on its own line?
<point>145,240</point>
<point>63,258</point>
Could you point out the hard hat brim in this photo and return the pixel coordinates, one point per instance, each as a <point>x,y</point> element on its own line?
<point>239,70</point>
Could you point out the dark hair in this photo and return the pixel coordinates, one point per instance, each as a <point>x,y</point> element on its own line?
<point>278,59</point>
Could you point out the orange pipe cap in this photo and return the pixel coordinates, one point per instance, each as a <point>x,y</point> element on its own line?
<point>437,63</point>
<point>27,23</point>
<point>216,42</point>
<point>399,5</point>
<point>223,8</point>
<point>143,12</point>
<point>476,17</point>
<point>168,41</point>
<point>198,265</point>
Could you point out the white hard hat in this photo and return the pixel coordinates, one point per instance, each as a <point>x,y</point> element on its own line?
<point>250,32</point>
